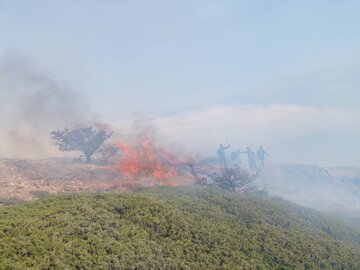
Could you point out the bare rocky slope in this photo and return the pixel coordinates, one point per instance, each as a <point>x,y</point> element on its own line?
<point>23,179</point>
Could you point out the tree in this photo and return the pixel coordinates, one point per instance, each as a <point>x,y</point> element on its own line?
<point>87,140</point>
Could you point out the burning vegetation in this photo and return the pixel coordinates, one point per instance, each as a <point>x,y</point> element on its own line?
<point>145,162</point>
<point>141,160</point>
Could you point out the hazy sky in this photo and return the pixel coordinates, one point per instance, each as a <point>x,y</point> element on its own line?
<point>280,73</point>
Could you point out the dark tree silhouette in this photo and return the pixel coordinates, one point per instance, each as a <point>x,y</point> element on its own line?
<point>87,140</point>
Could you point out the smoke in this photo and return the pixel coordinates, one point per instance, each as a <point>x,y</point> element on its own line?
<point>33,104</point>
<point>290,133</point>
<point>333,190</point>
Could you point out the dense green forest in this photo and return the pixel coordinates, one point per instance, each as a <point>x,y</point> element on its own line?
<point>169,228</point>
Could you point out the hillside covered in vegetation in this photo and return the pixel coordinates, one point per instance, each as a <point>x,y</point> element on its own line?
<point>170,228</point>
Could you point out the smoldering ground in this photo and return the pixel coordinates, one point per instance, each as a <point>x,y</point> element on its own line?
<point>32,104</point>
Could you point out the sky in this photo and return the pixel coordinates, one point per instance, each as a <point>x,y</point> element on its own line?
<point>280,73</point>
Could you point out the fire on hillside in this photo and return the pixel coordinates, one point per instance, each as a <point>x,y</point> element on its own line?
<point>130,163</point>
<point>145,163</point>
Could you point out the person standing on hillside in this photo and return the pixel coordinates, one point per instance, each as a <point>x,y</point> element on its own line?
<point>251,158</point>
<point>221,155</point>
<point>261,155</point>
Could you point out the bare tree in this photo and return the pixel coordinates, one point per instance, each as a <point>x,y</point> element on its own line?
<point>87,140</point>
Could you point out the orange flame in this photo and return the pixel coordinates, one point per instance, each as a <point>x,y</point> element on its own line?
<point>144,159</point>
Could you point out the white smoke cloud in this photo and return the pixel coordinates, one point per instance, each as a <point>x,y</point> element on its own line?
<point>291,133</point>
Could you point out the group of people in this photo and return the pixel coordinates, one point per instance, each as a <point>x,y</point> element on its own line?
<point>256,161</point>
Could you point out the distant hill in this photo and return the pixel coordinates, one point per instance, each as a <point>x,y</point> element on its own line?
<point>169,228</point>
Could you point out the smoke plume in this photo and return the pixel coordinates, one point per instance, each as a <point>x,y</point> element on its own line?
<point>32,104</point>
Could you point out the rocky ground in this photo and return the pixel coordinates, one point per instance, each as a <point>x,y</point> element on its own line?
<point>307,185</point>
<point>25,179</point>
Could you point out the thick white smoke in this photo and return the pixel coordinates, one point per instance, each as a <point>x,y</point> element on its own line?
<point>291,133</point>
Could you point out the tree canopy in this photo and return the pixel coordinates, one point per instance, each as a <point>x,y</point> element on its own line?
<point>87,140</point>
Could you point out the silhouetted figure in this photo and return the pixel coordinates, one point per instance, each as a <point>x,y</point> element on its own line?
<point>221,155</point>
<point>261,155</point>
<point>251,158</point>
